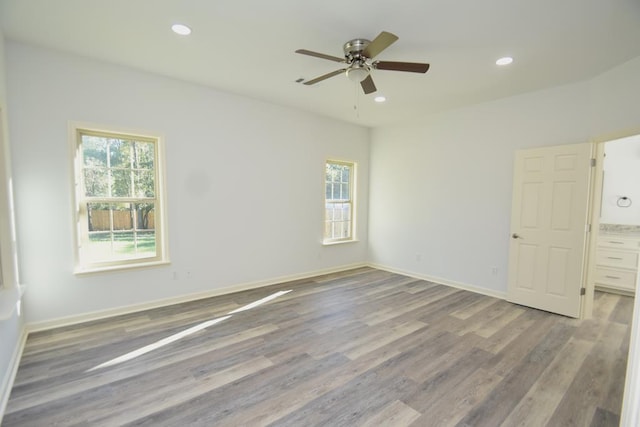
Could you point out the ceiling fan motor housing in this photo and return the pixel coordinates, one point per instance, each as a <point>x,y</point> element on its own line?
<point>353,49</point>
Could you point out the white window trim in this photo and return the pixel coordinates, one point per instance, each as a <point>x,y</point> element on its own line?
<point>353,196</point>
<point>161,225</point>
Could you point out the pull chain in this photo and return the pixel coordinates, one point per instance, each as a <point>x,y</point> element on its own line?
<point>356,99</point>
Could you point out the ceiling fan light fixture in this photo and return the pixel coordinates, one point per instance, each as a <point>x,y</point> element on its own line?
<point>357,73</point>
<point>380,99</point>
<point>505,60</point>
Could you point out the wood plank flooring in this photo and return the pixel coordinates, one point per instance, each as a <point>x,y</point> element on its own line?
<point>363,347</point>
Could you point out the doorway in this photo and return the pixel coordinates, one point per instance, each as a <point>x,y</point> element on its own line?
<point>614,246</point>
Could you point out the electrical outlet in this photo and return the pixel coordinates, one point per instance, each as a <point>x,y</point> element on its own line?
<point>494,271</point>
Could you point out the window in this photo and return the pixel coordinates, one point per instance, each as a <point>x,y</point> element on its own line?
<point>119,203</point>
<point>339,204</point>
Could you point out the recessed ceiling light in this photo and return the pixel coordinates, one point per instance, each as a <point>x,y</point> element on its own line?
<point>181,29</point>
<point>379,98</point>
<point>504,60</point>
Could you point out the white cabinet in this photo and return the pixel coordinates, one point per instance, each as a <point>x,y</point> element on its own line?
<point>617,263</point>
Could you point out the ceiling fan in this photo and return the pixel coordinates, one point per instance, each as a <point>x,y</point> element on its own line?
<point>358,55</point>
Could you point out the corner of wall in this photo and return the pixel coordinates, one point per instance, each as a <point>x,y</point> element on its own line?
<point>11,369</point>
<point>13,333</point>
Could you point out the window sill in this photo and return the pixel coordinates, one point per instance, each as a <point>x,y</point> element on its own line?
<point>121,267</point>
<point>339,242</point>
<point>8,301</point>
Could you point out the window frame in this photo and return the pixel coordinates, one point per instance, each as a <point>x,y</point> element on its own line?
<point>351,201</point>
<point>80,200</point>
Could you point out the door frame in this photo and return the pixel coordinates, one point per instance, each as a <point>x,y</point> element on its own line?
<point>595,204</point>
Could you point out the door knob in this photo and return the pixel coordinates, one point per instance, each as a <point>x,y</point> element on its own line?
<point>516,236</point>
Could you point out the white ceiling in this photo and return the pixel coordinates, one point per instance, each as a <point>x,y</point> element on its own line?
<point>247,46</point>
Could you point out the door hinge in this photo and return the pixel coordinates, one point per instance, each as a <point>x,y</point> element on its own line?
<point>583,291</point>
<point>588,228</point>
<point>593,163</point>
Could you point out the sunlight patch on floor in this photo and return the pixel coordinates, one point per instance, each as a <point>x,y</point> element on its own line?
<point>175,337</point>
<point>259,302</point>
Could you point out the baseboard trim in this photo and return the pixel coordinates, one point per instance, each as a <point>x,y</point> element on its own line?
<point>10,376</point>
<point>441,281</point>
<point>612,290</point>
<point>103,314</point>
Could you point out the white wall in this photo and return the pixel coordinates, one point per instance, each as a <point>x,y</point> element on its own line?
<point>454,171</point>
<point>241,176</point>
<point>615,102</point>
<point>11,323</point>
<point>621,179</point>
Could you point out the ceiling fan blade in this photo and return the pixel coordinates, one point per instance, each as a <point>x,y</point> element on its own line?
<point>380,43</point>
<point>412,67</point>
<point>324,77</point>
<point>367,85</point>
<point>320,55</point>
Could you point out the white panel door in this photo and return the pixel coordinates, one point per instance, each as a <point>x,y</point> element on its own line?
<point>548,227</point>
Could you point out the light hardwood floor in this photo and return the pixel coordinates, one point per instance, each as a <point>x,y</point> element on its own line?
<point>363,347</point>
